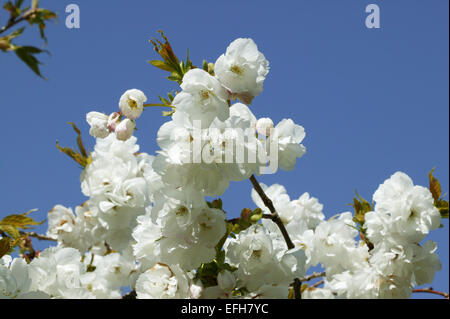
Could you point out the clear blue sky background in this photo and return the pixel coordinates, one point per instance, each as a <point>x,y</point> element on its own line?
<point>372,101</point>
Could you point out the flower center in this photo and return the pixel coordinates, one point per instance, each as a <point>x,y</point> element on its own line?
<point>237,70</point>
<point>204,94</point>
<point>132,103</point>
<point>256,253</point>
<point>181,211</point>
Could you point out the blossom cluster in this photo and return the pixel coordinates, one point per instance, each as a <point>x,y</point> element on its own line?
<point>147,224</point>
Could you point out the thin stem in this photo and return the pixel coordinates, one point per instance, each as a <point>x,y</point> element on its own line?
<point>14,21</point>
<point>313,276</point>
<point>317,284</point>
<point>277,220</point>
<point>274,216</point>
<point>38,236</point>
<point>431,291</point>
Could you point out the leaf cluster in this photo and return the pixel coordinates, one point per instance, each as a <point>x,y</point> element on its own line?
<point>81,156</point>
<point>170,61</point>
<point>10,229</point>
<point>436,191</point>
<point>34,16</point>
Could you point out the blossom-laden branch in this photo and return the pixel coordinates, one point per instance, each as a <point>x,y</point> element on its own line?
<point>277,220</point>
<point>431,291</point>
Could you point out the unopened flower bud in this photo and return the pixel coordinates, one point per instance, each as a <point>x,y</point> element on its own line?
<point>113,121</point>
<point>124,130</point>
<point>195,290</point>
<point>226,280</point>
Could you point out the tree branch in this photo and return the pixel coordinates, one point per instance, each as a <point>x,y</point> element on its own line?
<point>38,236</point>
<point>277,220</point>
<point>13,22</point>
<point>313,276</point>
<point>431,291</point>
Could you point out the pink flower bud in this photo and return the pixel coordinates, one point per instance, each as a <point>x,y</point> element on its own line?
<point>124,130</point>
<point>113,120</point>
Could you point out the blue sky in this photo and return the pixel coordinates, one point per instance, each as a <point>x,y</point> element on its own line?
<point>372,101</point>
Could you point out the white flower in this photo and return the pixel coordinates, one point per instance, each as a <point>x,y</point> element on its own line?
<point>57,272</point>
<point>287,136</point>
<point>60,220</point>
<point>72,230</point>
<point>264,125</point>
<point>207,160</point>
<point>242,69</point>
<point>125,129</point>
<point>270,291</point>
<point>334,245</point>
<point>317,293</point>
<point>310,210</point>
<point>113,120</point>
<point>402,209</point>
<point>425,263</point>
<point>203,99</point>
<point>263,260</point>
<point>180,229</point>
<point>196,290</point>
<point>15,281</point>
<point>99,124</point>
<point>111,272</point>
<point>162,282</point>
<point>226,280</point>
<point>131,103</point>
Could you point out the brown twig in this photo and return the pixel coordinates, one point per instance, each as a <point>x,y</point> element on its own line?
<point>277,220</point>
<point>431,291</point>
<point>313,276</point>
<point>317,284</point>
<point>38,236</point>
<point>29,253</point>
<point>274,216</point>
<point>12,22</point>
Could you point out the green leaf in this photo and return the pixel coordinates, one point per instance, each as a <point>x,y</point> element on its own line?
<point>361,207</point>
<point>217,203</point>
<point>171,97</point>
<point>168,113</point>
<point>16,33</point>
<point>82,157</point>
<point>442,206</point>
<point>79,140</point>
<point>161,65</point>
<point>26,54</point>
<point>13,9</point>
<point>5,246</point>
<point>12,223</point>
<point>435,186</point>
<point>164,101</point>
<point>10,230</point>
<point>170,62</point>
